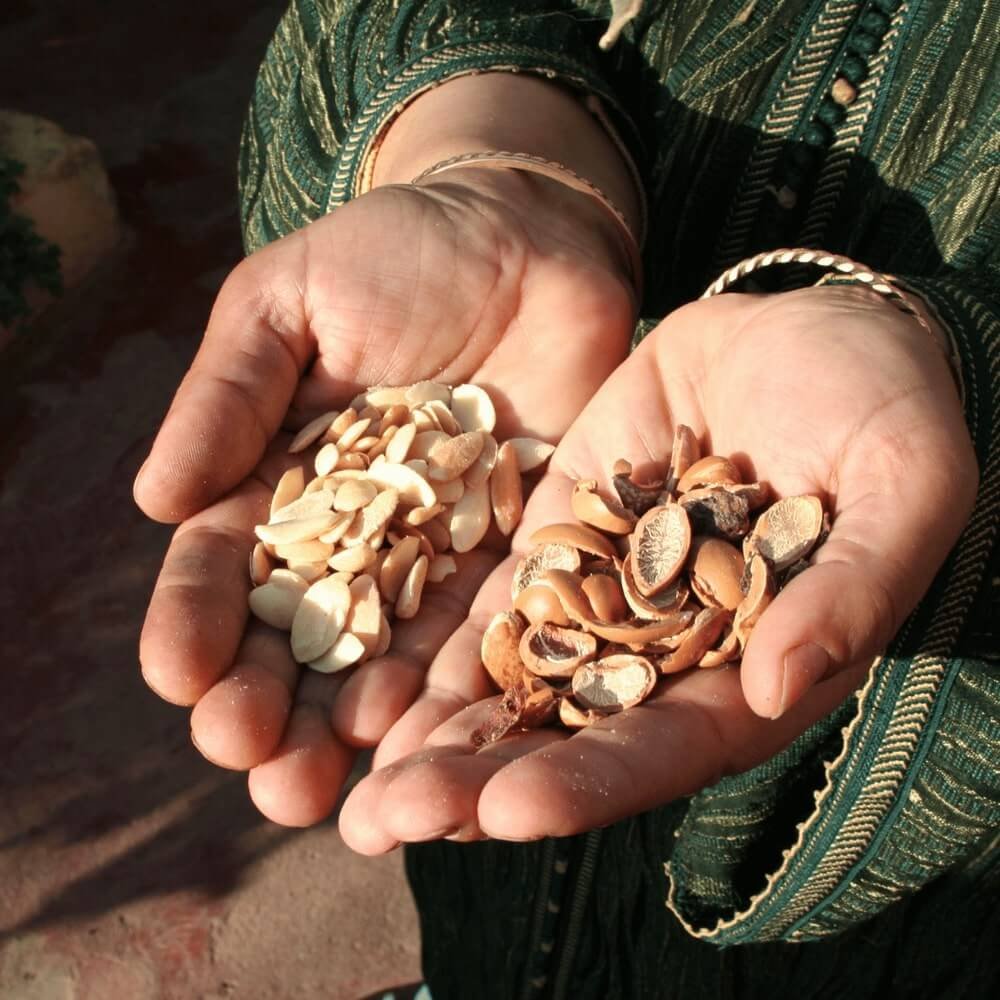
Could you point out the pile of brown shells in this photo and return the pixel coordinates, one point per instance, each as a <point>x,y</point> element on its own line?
<point>667,576</point>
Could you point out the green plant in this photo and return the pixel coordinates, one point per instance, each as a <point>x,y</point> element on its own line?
<point>25,257</point>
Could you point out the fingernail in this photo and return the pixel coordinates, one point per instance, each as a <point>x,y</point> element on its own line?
<point>804,666</point>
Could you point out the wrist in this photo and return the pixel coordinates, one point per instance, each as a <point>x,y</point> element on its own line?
<point>506,111</point>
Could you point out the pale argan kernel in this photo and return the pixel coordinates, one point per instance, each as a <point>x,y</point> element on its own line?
<point>506,497</point>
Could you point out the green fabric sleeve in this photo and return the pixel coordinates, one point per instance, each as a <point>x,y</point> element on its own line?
<point>901,784</point>
<point>337,71</point>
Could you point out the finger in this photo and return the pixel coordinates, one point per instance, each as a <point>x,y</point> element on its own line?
<point>379,692</point>
<point>697,731</point>
<point>299,785</point>
<point>240,720</point>
<point>198,608</point>
<point>881,556</point>
<point>235,394</point>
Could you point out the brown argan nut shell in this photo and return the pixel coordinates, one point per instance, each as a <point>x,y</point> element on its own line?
<point>641,635</point>
<point>506,715</point>
<point>568,587</point>
<point>716,510</point>
<point>451,458</point>
<point>660,545</point>
<point>715,569</point>
<point>408,602</point>
<point>578,535</point>
<point>604,594</point>
<point>700,637</point>
<point>506,496</point>
<point>539,561</point>
<point>276,601</point>
<point>683,454</point>
<point>727,651</point>
<point>599,511</point>
<point>540,603</point>
<point>549,650</point>
<point>786,531</point>
<point>500,649</point>
<point>638,499</point>
<point>541,701</point>
<point>657,607</point>
<point>761,588</point>
<point>614,683</point>
<point>319,618</point>
<point>574,717</point>
<point>712,470</point>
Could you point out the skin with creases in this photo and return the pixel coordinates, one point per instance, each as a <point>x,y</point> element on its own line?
<point>825,391</point>
<point>483,276</point>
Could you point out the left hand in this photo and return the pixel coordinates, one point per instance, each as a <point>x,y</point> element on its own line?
<point>829,391</point>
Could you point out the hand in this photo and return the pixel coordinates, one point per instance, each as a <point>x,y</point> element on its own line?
<point>826,391</point>
<point>502,278</point>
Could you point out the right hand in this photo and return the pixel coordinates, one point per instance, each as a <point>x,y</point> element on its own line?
<point>503,279</point>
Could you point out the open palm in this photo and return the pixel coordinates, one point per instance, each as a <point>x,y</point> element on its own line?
<point>825,391</point>
<point>483,280</point>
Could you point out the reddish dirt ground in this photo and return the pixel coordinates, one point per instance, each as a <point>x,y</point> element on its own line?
<point>129,867</point>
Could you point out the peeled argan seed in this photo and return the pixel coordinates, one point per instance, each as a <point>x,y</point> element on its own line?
<point>553,651</point>
<point>419,466</point>
<point>539,561</point>
<point>539,603</point>
<point>397,565</point>
<point>598,511</point>
<point>700,637</point>
<point>401,528</point>
<point>408,602</point>
<point>421,515</point>
<point>470,518</point>
<point>711,470</point>
<point>337,532</point>
<point>301,529</point>
<point>656,607</point>
<point>499,649</point>
<point>290,487</point>
<point>312,432</point>
<point>659,547</point>
<point>450,458</point>
<point>449,492</point>
<point>352,560</point>
<point>311,551</point>
<point>327,459</point>
<point>578,535</point>
<point>423,392</point>
<point>319,618</point>
<point>683,454</point>
<point>437,533</point>
<point>717,510</point>
<point>715,568</point>
<point>314,485</point>
<point>312,504</point>
<point>398,448</point>
<point>347,649</point>
<point>353,433</point>
<point>276,601</point>
<point>424,442</point>
<point>309,571</point>
<point>384,637</point>
<point>605,596</point>
<point>441,567</point>
<point>480,470</point>
<point>365,617</point>
<point>378,512</point>
<point>473,408</point>
<point>614,683</point>
<point>381,397</point>
<point>506,496</point>
<point>343,422</point>
<point>366,444</point>
<point>395,416</point>
<point>574,717</point>
<point>355,494</point>
<point>412,488</point>
<point>352,461</point>
<point>260,565</point>
<point>787,530</point>
<point>369,412</point>
<point>531,452</point>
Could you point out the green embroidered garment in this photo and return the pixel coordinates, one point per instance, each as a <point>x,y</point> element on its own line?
<point>865,859</point>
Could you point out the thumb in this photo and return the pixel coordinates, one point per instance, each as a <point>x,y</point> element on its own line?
<point>234,397</point>
<point>843,610</point>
